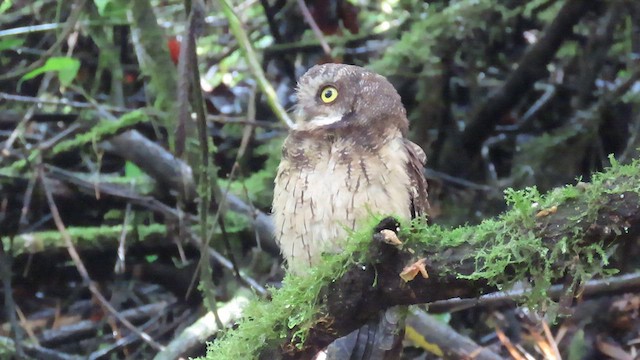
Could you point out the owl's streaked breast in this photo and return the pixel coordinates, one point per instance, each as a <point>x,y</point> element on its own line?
<point>324,189</point>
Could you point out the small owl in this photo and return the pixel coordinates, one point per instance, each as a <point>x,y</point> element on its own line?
<point>346,159</point>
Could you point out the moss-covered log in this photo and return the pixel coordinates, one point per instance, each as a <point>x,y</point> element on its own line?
<point>563,236</point>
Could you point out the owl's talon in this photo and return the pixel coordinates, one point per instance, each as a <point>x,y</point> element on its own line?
<point>410,272</point>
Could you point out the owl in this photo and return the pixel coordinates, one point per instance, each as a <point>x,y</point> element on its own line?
<point>347,158</point>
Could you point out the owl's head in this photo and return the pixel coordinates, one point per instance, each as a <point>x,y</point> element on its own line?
<point>337,96</point>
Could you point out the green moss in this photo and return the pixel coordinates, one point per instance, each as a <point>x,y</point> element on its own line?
<point>101,131</point>
<point>509,251</point>
<point>87,237</point>
<point>435,27</point>
<point>7,347</point>
<point>97,133</point>
<point>292,307</point>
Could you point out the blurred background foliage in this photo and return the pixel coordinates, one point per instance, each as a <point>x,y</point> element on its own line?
<point>500,94</point>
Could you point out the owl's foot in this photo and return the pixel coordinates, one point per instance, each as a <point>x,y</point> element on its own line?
<point>410,272</point>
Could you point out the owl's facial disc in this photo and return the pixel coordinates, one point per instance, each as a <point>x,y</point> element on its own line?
<point>336,96</point>
<point>323,108</point>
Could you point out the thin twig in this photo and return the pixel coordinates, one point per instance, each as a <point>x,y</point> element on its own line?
<point>120,263</point>
<point>222,204</point>
<point>26,203</point>
<point>25,30</point>
<point>243,120</point>
<point>423,328</point>
<point>434,174</point>
<point>82,270</point>
<point>593,287</point>
<point>6,262</point>
<point>204,328</point>
<point>314,26</point>
<point>254,64</point>
<point>513,351</point>
<point>205,184</point>
<point>60,102</point>
<point>170,214</point>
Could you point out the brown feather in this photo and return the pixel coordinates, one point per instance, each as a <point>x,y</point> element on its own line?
<point>418,191</point>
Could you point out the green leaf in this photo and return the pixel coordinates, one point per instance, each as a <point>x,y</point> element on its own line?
<point>66,67</point>
<point>131,170</point>
<point>7,44</point>
<point>5,5</point>
<point>101,5</point>
<point>112,9</point>
<point>578,347</point>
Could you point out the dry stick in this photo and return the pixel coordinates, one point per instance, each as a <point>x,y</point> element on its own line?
<point>120,263</point>
<point>189,66</point>
<point>59,102</point>
<point>121,344</point>
<point>542,343</point>
<point>423,327</point>
<point>37,351</point>
<point>116,191</point>
<point>22,124</point>
<point>71,22</point>
<point>153,204</point>
<point>222,119</point>
<point>9,261</point>
<point>184,122</point>
<point>244,120</point>
<point>513,351</point>
<point>550,340</point>
<point>627,282</point>
<point>248,280</point>
<point>27,326</point>
<point>203,328</point>
<point>82,270</point>
<point>26,203</point>
<point>314,26</point>
<point>161,155</point>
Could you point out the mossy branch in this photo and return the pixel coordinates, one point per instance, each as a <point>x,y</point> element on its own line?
<point>563,236</point>
<point>83,237</point>
<point>99,132</point>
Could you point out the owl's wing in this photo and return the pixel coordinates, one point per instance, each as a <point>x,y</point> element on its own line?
<point>418,186</point>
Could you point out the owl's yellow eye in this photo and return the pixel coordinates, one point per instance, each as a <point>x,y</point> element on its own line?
<point>328,94</point>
